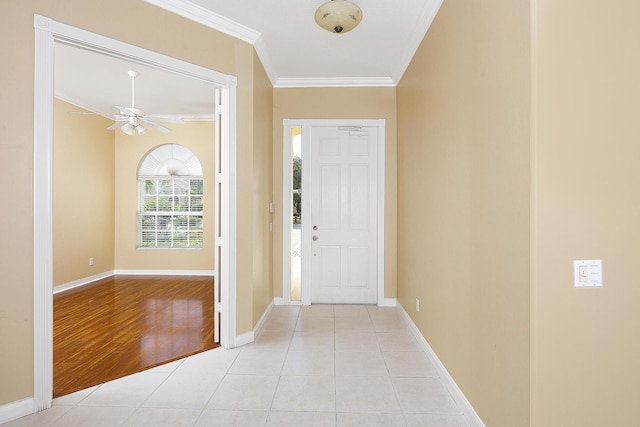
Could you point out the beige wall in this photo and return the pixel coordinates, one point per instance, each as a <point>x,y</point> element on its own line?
<point>143,25</point>
<point>104,225</point>
<point>83,196</point>
<point>586,146</point>
<point>463,200</point>
<point>463,180</point>
<point>338,103</point>
<point>245,203</point>
<point>130,150</point>
<point>262,190</point>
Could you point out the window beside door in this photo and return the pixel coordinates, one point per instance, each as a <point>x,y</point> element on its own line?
<point>296,217</point>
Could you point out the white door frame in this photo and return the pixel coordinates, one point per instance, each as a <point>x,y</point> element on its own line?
<point>48,31</point>
<point>305,125</point>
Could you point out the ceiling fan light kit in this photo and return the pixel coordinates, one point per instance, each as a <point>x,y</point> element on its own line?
<point>131,119</point>
<point>133,129</point>
<point>338,16</point>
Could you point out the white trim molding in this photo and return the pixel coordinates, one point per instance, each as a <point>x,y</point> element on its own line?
<point>249,337</point>
<point>18,409</point>
<point>215,21</point>
<point>43,215</point>
<point>90,279</point>
<point>447,380</point>
<point>166,272</point>
<point>244,339</point>
<point>208,18</point>
<point>387,302</point>
<point>427,16</point>
<point>82,282</point>
<point>334,82</point>
<point>263,318</point>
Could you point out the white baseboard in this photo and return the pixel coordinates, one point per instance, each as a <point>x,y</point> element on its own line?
<point>91,279</point>
<point>470,414</point>
<point>388,302</point>
<point>14,410</point>
<point>81,282</point>
<point>166,272</point>
<point>258,326</point>
<point>279,301</point>
<point>243,339</point>
<point>250,337</point>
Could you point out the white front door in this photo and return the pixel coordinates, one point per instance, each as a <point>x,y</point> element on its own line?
<point>343,215</point>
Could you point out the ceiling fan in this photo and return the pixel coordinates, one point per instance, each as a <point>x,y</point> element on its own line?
<point>131,120</point>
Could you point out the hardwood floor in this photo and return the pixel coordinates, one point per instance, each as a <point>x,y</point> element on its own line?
<point>125,324</point>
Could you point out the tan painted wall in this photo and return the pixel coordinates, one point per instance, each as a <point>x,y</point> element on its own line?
<point>130,150</point>
<point>463,200</point>
<point>143,25</point>
<point>83,196</point>
<point>338,103</point>
<point>586,148</point>
<point>245,205</point>
<point>262,190</point>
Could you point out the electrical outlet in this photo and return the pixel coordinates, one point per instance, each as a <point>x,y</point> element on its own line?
<point>90,261</point>
<point>417,304</point>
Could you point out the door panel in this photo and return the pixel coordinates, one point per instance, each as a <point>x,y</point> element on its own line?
<point>343,215</point>
<point>358,202</point>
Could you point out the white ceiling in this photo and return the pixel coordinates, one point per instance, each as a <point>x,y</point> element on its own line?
<point>98,83</point>
<point>296,52</point>
<point>293,49</point>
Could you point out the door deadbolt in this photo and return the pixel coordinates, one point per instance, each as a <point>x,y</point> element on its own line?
<point>315,227</point>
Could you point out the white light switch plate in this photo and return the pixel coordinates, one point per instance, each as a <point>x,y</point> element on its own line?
<point>587,273</point>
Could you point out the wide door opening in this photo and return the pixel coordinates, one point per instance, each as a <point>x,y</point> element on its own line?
<point>50,33</point>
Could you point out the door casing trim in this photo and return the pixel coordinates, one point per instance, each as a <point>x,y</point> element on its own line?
<point>48,31</point>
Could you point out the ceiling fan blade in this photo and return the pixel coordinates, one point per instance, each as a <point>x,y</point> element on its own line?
<point>155,125</point>
<point>117,124</point>
<point>123,110</point>
<point>165,119</point>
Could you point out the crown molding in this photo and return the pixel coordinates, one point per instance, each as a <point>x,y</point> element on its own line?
<point>210,19</point>
<point>335,82</point>
<point>426,19</point>
<point>89,108</point>
<point>267,64</point>
<point>201,15</point>
<point>92,110</point>
<point>215,21</point>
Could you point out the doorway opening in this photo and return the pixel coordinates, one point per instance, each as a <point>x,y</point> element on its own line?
<point>48,32</point>
<point>354,192</point>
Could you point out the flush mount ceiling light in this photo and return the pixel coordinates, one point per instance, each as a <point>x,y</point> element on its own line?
<point>338,16</point>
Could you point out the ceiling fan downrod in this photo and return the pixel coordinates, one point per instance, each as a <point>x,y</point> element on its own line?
<point>133,75</point>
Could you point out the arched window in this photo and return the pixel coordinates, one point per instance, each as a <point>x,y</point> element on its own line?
<point>170,192</point>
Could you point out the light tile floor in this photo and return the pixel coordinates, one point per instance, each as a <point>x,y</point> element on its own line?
<point>320,365</point>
